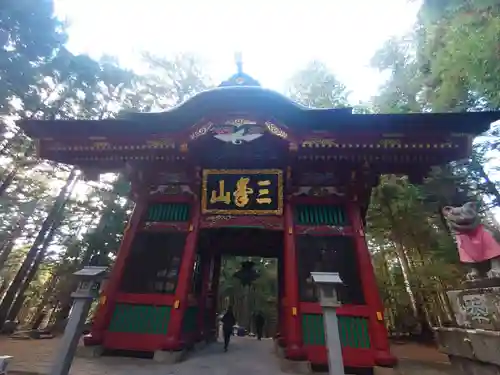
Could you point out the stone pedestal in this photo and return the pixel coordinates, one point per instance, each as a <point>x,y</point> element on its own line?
<point>169,357</point>
<point>93,351</point>
<point>473,345</point>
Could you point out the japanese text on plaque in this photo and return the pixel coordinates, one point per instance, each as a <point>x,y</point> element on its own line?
<point>253,192</point>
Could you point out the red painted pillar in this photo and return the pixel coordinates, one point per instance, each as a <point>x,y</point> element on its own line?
<point>174,332</point>
<point>378,333</point>
<point>215,294</point>
<point>112,287</point>
<point>294,345</point>
<point>206,262</point>
<point>281,331</point>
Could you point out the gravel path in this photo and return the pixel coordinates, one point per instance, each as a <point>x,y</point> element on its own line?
<point>246,356</point>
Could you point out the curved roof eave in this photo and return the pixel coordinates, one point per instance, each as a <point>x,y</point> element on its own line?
<point>233,99</point>
<point>264,102</point>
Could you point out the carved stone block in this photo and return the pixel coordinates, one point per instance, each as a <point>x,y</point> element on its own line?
<point>464,366</point>
<point>471,351</point>
<point>476,307</point>
<point>454,341</point>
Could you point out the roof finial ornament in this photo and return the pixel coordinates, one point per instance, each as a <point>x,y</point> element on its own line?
<point>240,78</point>
<point>238,59</point>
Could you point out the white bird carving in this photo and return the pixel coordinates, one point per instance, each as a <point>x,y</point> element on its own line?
<point>237,137</point>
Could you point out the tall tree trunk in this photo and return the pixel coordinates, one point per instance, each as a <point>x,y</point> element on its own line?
<point>16,284</point>
<point>6,144</point>
<point>3,286</point>
<point>401,255</point>
<point>390,277</point>
<point>40,256</point>
<point>444,302</point>
<point>7,181</point>
<point>49,287</point>
<point>405,268</point>
<point>9,242</point>
<point>65,299</point>
<point>36,265</point>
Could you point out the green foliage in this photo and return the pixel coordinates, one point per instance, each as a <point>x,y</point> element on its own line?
<point>30,37</point>
<point>316,86</point>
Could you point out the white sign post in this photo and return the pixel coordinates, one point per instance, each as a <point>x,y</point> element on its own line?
<point>327,283</point>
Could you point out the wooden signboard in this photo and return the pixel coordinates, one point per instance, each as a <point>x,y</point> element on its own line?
<point>242,192</point>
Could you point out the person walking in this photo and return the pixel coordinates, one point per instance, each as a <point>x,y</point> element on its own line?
<point>228,322</point>
<point>259,324</point>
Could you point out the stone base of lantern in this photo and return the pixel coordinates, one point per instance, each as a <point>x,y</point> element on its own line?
<point>473,346</point>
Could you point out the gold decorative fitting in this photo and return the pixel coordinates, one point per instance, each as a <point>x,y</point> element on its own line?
<point>320,143</point>
<point>389,143</point>
<point>201,131</point>
<point>184,147</point>
<point>160,143</point>
<point>277,131</point>
<point>242,121</point>
<point>100,145</point>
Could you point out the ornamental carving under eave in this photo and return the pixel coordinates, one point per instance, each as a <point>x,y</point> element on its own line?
<point>317,191</point>
<point>172,190</point>
<point>276,130</point>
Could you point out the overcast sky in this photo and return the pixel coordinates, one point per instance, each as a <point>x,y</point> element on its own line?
<point>276,37</point>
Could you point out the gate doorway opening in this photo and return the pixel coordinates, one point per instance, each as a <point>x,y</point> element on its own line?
<point>249,288</point>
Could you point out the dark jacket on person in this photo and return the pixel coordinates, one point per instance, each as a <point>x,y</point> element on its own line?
<point>228,320</point>
<point>259,320</point>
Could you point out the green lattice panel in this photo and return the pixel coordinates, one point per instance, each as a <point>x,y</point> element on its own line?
<point>163,212</point>
<point>353,331</point>
<point>190,320</point>
<point>314,214</point>
<point>140,319</point>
